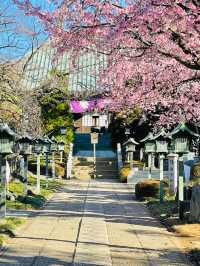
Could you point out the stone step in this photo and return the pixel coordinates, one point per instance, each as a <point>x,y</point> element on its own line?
<point>78,163</point>
<point>91,158</point>
<point>83,167</point>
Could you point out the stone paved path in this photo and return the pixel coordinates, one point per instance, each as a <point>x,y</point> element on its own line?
<point>96,223</point>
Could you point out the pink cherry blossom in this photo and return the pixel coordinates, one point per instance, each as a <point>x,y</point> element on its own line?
<point>152,48</point>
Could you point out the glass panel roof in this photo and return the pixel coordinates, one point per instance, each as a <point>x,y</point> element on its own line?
<point>84,77</point>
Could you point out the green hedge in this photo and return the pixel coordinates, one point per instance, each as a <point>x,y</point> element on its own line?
<point>149,188</point>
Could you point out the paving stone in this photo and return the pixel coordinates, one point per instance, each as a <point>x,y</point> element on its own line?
<point>95,223</point>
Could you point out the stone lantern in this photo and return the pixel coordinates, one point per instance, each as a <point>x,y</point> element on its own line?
<point>61,148</point>
<point>54,148</point>
<point>127,132</point>
<point>7,137</point>
<point>25,148</point>
<point>150,149</point>
<point>47,149</point>
<point>161,142</point>
<point>61,145</point>
<point>38,145</point>
<point>63,130</point>
<point>181,139</point>
<point>25,145</point>
<point>46,145</point>
<point>38,149</point>
<point>130,145</point>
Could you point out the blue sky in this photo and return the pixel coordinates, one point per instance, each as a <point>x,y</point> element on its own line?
<point>22,41</point>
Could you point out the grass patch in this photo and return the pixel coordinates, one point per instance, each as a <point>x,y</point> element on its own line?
<point>7,228</point>
<point>59,167</point>
<point>33,201</point>
<point>166,212</point>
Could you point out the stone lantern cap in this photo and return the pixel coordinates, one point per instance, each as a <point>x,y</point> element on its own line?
<point>46,139</point>
<point>162,135</point>
<point>6,130</point>
<point>25,138</point>
<point>131,141</point>
<point>181,128</point>
<point>148,137</point>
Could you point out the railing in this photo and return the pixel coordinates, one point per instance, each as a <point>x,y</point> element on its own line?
<point>119,156</point>
<point>69,162</point>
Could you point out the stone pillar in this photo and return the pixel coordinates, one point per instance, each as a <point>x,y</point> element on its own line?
<point>38,174</point>
<point>25,192</point>
<point>3,186</point>
<point>141,154</point>
<point>149,160</point>
<point>153,160</point>
<point>161,158</point>
<point>173,172</point>
<point>61,156</point>
<point>149,164</point>
<point>53,166</point>
<point>47,168</point>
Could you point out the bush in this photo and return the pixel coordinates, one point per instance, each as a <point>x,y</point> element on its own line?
<point>195,172</point>
<point>138,164</point>
<point>124,171</point>
<point>149,188</point>
<point>60,170</point>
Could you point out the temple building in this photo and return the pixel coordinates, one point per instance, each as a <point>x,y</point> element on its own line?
<point>82,82</point>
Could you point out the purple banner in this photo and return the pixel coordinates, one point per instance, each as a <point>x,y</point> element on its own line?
<point>88,106</point>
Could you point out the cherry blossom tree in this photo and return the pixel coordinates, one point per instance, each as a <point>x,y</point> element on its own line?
<point>152,48</point>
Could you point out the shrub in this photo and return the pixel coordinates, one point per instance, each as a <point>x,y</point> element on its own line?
<point>124,171</point>
<point>149,188</point>
<point>195,172</point>
<point>138,164</point>
<point>60,170</point>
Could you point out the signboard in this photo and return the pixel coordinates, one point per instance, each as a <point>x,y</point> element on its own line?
<point>173,172</point>
<point>94,138</point>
